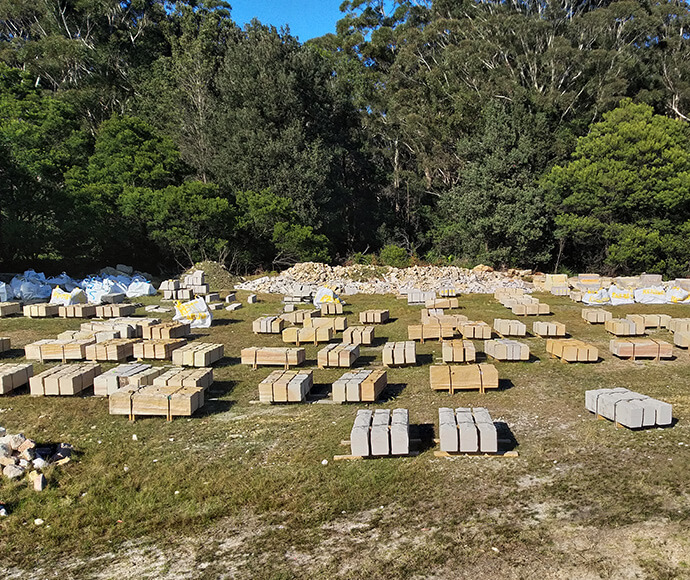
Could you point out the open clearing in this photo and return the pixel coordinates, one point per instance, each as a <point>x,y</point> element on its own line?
<point>583,499</point>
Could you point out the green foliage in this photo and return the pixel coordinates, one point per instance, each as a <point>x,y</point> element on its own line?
<point>297,243</point>
<point>392,255</point>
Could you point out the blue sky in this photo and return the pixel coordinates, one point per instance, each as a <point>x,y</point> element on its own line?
<point>306,18</point>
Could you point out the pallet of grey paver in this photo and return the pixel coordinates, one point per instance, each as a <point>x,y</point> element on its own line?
<point>65,379</point>
<point>419,297</point>
<point>77,311</point>
<point>41,310</point>
<point>4,344</point>
<point>359,335</point>
<point>135,374</point>
<point>62,350</point>
<point>442,303</point>
<point>115,310</point>
<point>150,400</point>
<point>331,308</point>
<point>596,315</point>
<point>379,434</point>
<point>198,354</point>
<point>650,320</point>
<point>13,376</point>
<point>337,323</point>
<point>201,378</point>
<point>627,408</point>
<point>636,348</point>
<point>338,355</point>
<point>458,351</point>
<point>9,308</point>
<point>453,378</point>
<point>624,327</point>
<point>548,329</point>
<point>506,327</point>
<point>115,350</point>
<point>298,316</point>
<point>505,349</point>
<point>374,316</point>
<point>363,385</point>
<point>466,431</point>
<point>399,353</point>
<point>430,331</point>
<point>268,325</point>
<point>313,334</point>
<point>475,329</point>
<point>166,330</point>
<point>286,387</point>
<point>272,356</point>
<point>157,348</point>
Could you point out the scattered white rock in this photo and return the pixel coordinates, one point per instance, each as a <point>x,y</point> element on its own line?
<point>38,522</point>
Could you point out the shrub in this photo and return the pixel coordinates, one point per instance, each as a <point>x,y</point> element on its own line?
<point>392,255</point>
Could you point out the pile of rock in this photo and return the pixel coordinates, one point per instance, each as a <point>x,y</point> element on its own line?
<point>363,279</point>
<point>19,456</point>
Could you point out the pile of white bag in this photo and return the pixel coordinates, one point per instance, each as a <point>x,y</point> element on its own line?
<point>617,296</point>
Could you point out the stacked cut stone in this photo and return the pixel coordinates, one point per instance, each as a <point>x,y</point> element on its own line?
<point>9,308</point>
<point>465,430</point>
<point>272,356</point>
<point>286,387</point>
<point>64,380</point>
<point>360,386</point>
<point>399,353</point>
<point>130,374</point>
<point>14,376</point>
<point>380,433</point>
<point>506,327</point>
<point>628,408</point>
<point>505,349</point>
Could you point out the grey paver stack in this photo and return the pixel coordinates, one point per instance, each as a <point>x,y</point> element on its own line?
<point>466,430</point>
<point>628,408</point>
<point>380,433</point>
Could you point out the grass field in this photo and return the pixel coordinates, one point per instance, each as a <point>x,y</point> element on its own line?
<point>240,491</point>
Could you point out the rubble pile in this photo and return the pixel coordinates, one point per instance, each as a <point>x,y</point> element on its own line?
<point>307,277</point>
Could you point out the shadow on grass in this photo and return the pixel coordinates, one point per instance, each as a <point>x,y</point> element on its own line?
<point>507,441</point>
<point>364,361</point>
<point>378,341</point>
<point>319,391</point>
<point>424,433</point>
<point>391,391</point>
<point>13,353</point>
<point>227,361</point>
<point>225,321</point>
<point>425,359</point>
<point>505,384</point>
<point>221,388</point>
<point>214,407</point>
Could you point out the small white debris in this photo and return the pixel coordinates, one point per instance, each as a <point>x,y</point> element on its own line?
<point>38,522</point>
<point>177,492</point>
<point>495,549</point>
<point>324,462</point>
<point>126,468</point>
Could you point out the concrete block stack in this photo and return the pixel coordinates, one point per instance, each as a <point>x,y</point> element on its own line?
<point>165,331</point>
<point>596,315</point>
<point>41,310</point>
<point>14,376</point>
<point>9,308</point>
<point>196,282</point>
<point>475,329</point>
<point>303,335</point>
<point>331,308</point>
<point>571,350</point>
<point>624,327</point>
<point>198,354</point>
<point>56,349</point>
<point>374,316</point>
<point>627,408</point>
<point>115,350</point>
<point>399,354</point>
<point>359,335</point>
<point>337,323</point>
<point>77,311</point>
<point>173,291</point>
<point>634,348</point>
<point>65,380</point>
<point>299,293</point>
<point>131,374</point>
<point>286,387</point>
<point>465,377</point>
<point>430,331</point>
<point>338,355</point>
<point>157,348</point>
<point>115,310</point>
<point>442,303</point>
<point>504,349</point>
<point>466,430</point>
<point>506,327</point>
<point>272,356</point>
<point>380,433</point>
<point>417,297</point>
<point>458,351</point>
<point>548,329</point>
<point>268,325</point>
<point>360,386</point>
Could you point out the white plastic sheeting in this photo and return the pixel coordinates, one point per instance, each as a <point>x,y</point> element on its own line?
<point>6,292</point>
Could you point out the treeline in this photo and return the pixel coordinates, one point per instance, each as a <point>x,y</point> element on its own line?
<point>536,134</point>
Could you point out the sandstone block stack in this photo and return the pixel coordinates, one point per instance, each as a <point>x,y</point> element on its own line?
<point>360,386</point>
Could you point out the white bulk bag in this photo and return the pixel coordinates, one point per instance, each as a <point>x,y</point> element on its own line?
<point>325,295</point>
<point>676,295</point>
<point>195,313</point>
<point>620,296</point>
<point>600,296</point>
<point>651,295</point>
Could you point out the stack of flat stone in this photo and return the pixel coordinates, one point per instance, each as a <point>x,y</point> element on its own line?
<point>506,327</point>
<point>331,308</point>
<point>337,323</point>
<point>458,351</point>
<point>115,350</point>
<point>359,335</point>
<point>431,330</point>
<point>338,355</point>
<point>166,330</point>
<point>198,354</point>
<point>313,334</point>
<point>299,293</point>
<point>475,329</point>
<point>441,303</point>
<point>272,356</point>
<point>41,310</point>
<point>465,430</point>
<point>9,308</point>
<point>438,315</point>
<point>299,316</point>
<point>132,374</point>
<point>115,310</point>
<point>286,387</point>
<point>505,349</point>
<point>77,311</point>
<point>419,297</point>
<point>374,316</point>
<point>457,378</point>
<point>64,380</point>
<point>399,353</point>
<point>635,348</point>
<point>172,290</point>
<point>166,401</point>
<point>268,325</point>
<point>548,329</point>
<point>59,349</point>
<point>157,348</point>
<point>196,283</point>
<point>624,327</point>
<point>628,408</point>
<point>596,315</point>
<point>360,386</point>
<point>380,433</point>
<point>571,350</point>
<point>678,325</point>
<point>14,376</point>
<point>656,321</point>
<point>527,306</point>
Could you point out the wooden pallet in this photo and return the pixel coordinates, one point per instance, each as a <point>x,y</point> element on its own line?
<point>637,348</point>
<point>168,401</point>
<point>430,331</point>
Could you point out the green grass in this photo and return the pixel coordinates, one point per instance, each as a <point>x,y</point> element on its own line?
<point>255,500</point>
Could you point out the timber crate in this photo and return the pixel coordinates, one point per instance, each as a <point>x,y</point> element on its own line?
<point>273,356</point>
<point>286,387</point>
<point>158,348</point>
<point>338,355</point>
<point>442,303</point>
<point>66,379</point>
<point>571,350</point>
<point>432,330</point>
<point>13,376</point>
<point>4,344</point>
<point>360,386</point>
<point>331,308</point>
<point>198,354</point>
<point>165,330</point>
<point>337,323</point>
<point>679,325</point>
<point>41,310</point>
<point>62,350</point>
<point>381,433</point>
<point>634,348</point>
<point>115,310</point>
<point>458,351</point>
<point>201,378</point>
<point>268,325</point>
<point>463,377</point>
<point>168,402</point>
<point>504,349</point>
<point>548,329</point>
<point>596,315</point>
<point>374,316</point>
<point>399,353</point>
<point>77,311</point>
<point>657,321</point>
<point>115,350</point>
<point>9,308</point>
<point>478,329</point>
<point>359,335</point>
<point>307,334</point>
<point>506,327</point>
<point>624,327</point>
<point>299,316</point>
<point>466,430</point>
<point>129,374</point>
